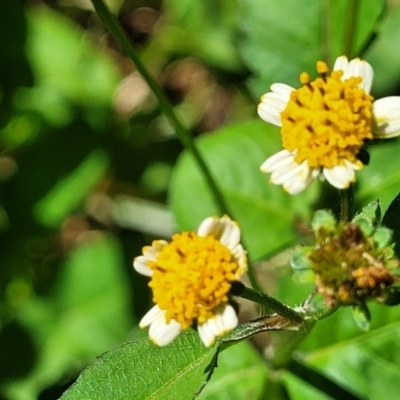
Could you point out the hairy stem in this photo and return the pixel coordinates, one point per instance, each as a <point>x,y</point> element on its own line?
<point>347,203</point>
<point>271,303</point>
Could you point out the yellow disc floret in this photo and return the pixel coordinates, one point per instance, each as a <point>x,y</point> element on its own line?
<point>327,120</point>
<point>191,277</point>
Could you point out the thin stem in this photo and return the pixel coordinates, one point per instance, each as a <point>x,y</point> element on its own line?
<point>283,353</point>
<point>347,203</point>
<point>350,27</point>
<point>271,303</point>
<point>184,136</point>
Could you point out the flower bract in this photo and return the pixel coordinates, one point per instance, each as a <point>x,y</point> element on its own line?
<point>325,123</point>
<point>352,261</point>
<point>191,277</point>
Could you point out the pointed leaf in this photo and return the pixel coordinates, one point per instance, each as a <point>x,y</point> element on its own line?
<point>362,317</point>
<point>391,220</point>
<point>140,370</point>
<point>278,51</point>
<point>368,366</point>
<point>371,214</point>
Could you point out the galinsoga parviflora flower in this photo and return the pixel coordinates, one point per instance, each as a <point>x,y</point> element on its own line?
<point>352,261</point>
<point>191,277</point>
<point>325,123</point>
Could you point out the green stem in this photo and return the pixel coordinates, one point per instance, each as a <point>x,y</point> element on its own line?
<point>271,303</point>
<point>184,136</point>
<point>283,353</point>
<point>350,27</point>
<point>347,203</point>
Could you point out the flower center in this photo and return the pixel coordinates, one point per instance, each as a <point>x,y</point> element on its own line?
<point>327,120</point>
<point>191,277</point>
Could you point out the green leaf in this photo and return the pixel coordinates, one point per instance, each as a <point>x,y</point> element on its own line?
<point>381,178</point>
<point>368,14</point>
<point>371,213</point>
<point>300,390</point>
<point>234,154</point>
<point>361,363</point>
<point>141,370</point>
<point>66,195</point>
<point>386,77</point>
<point>391,220</point>
<point>362,317</point>
<point>277,50</point>
<point>299,261</point>
<point>241,374</point>
<point>342,327</point>
<point>368,366</point>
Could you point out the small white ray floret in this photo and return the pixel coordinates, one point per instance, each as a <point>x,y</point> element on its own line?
<point>160,332</point>
<point>224,321</point>
<point>387,117</point>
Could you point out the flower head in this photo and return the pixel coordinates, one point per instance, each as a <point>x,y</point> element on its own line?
<point>352,261</point>
<point>191,277</point>
<point>325,123</point>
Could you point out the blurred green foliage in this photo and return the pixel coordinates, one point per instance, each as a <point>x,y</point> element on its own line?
<point>79,128</point>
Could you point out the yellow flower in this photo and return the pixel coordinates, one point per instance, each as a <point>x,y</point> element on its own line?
<point>325,123</point>
<point>190,278</point>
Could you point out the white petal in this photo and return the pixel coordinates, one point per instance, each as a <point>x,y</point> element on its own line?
<point>283,156</point>
<point>151,252</point>
<point>304,177</point>
<point>386,113</point>
<point>270,110</point>
<point>229,318</point>
<point>341,63</point>
<point>283,90</point>
<point>241,258</point>
<point>207,226</point>
<point>223,322</point>
<point>152,315</point>
<point>287,173</point>
<point>205,334</point>
<point>224,229</point>
<point>274,102</point>
<point>140,265</point>
<point>230,237</point>
<point>340,176</point>
<point>358,67</point>
<point>297,186</point>
<point>162,333</point>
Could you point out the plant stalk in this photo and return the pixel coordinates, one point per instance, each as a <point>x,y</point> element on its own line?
<point>182,133</point>
<point>271,303</point>
<point>347,203</point>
